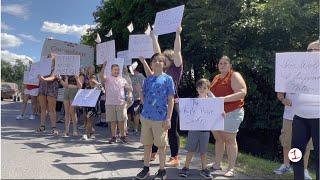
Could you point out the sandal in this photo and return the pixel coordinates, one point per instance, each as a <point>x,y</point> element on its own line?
<point>229,173</point>
<point>42,128</point>
<point>54,131</point>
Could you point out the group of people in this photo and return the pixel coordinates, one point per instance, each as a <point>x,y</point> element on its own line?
<point>153,101</point>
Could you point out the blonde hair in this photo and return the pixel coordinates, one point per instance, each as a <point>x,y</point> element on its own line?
<point>169,54</point>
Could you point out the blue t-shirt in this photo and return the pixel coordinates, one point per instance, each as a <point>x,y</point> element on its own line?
<point>156,90</point>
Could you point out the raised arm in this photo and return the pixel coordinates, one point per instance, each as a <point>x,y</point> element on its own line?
<point>101,74</point>
<point>146,67</point>
<point>50,78</point>
<point>80,81</point>
<point>155,43</point>
<point>177,48</point>
<point>239,87</point>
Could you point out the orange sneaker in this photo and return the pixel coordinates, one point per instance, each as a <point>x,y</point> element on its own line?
<point>173,162</point>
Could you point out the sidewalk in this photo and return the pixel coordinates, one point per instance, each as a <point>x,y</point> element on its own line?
<point>29,155</point>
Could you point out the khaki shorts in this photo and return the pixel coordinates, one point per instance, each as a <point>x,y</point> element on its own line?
<point>70,93</point>
<point>116,113</point>
<point>152,132</point>
<point>286,134</point>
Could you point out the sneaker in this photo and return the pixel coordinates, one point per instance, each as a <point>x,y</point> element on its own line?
<point>184,172</point>
<point>124,140</point>
<point>31,117</point>
<point>20,117</point>
<point>283,169</point>
<point>144,173</point>
<point>173,162</point>
<point>161,174</point>
<point>84,137</point>
<point>206,173</point>
<point>92,136</point>
<point>306,174</point>
<point>112,140</point>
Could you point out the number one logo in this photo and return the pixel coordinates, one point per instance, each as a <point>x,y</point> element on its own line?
<point>295,155</point>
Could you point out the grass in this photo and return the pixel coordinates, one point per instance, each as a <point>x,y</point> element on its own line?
<point>250,165</point>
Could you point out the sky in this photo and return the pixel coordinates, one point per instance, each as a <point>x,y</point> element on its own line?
<point>26,23</point>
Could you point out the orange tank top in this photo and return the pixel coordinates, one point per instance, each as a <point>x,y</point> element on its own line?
<point>222,87</point>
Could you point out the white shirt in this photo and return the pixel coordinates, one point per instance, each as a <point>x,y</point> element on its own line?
<point>307,106</point>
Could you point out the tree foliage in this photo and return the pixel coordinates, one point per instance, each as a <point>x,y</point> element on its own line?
<point>250,32</point>
<point>12,73</point>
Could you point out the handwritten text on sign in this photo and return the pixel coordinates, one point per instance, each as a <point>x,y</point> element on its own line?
<point>168,21</point>
<point>201,114</point>
<point>118,61</point>
<point>140,45</point>
<point>86,98</point>
<point>42,68</point>
<point>298,72</point>
<point>106,51</point>
<point>125,56</point>
<point>67,64</point>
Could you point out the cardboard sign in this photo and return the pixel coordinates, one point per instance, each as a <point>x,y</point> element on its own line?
<point>106,52</point>
<point>298,72</point>
<point>86,98</point>
<point>67,65</point>
<point>201,114</point>
<point>140,45</point>
<point>168,21</point>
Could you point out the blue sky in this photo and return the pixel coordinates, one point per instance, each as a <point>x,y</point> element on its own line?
<point>25,24</point>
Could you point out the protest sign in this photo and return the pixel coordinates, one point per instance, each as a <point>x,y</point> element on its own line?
<point>140,45</point>
<point>298,72</point>
<point>67,65</point>
<point>106,51</point>
<point>201,114</point>
<point>124,55</point>
<point>86,98</point>
<point>168,21</point>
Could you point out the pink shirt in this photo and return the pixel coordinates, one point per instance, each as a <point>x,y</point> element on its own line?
<point>114,87</point>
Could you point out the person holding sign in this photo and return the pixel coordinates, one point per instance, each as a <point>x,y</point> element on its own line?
<point>306,124</point>
<point>231,86</point>
<point>48,92</point>
<point>116,105</point>
<point>198,140</point>
<point>158,93</point>
<point>173,66</point>
<point>71,85</point>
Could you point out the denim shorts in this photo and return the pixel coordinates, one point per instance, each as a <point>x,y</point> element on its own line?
<point>233,120</point>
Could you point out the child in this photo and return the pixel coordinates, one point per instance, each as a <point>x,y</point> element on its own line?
<point>198,139</point>
<point>116,105</point>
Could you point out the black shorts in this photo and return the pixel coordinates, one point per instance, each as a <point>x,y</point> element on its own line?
<point>136,108</point>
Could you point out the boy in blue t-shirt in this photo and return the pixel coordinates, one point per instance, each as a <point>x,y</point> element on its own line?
<point>158,92</point>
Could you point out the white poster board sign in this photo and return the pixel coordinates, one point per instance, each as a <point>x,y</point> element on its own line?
<point>86,98</point>
<point>42,68</point>
<point>106,51</point>
<point>298,72</point>
<point>125,56</point>
<point>67,65</point>
<point>119,61</point>
<point>85,52</point>
<point>168,21</point>
<point>140,45</point>
<point>201,114</point>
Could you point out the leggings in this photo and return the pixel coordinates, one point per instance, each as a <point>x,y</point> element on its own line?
<point>174,139</point>
<point>302,130</point>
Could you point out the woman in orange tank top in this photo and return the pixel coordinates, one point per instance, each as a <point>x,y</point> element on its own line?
<point>231,86</point>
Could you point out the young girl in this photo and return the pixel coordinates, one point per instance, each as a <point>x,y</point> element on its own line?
<point>198,140</point>
<point>91,83</point>
<point>116,105</point>
<point>71,84</point>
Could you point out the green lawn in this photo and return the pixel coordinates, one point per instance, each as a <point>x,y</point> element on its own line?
<point>250,165</point>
